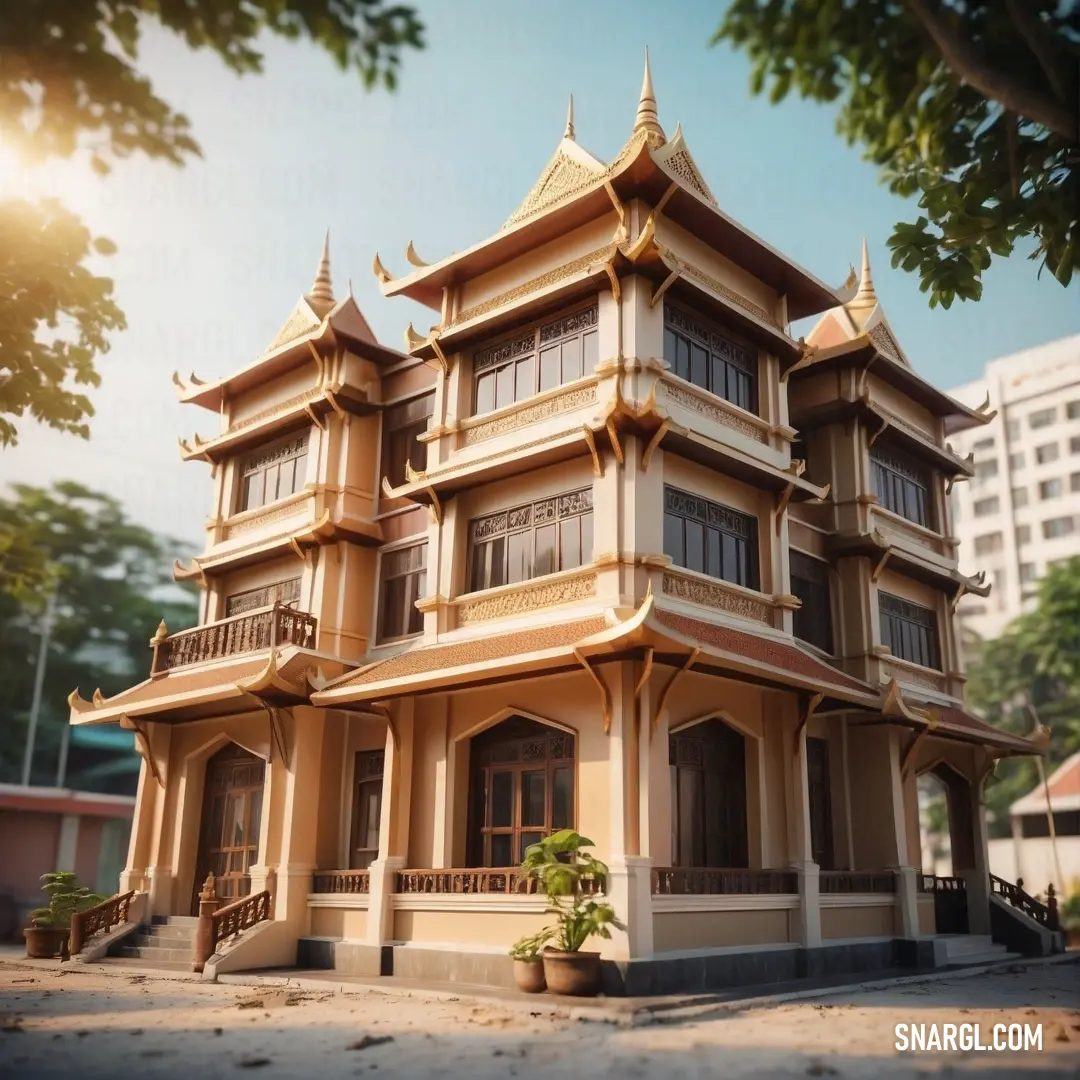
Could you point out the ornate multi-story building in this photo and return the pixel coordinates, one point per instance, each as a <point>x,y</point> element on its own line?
<point>606,548</point>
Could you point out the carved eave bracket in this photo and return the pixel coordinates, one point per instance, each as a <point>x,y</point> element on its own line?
<point>811,706</point>
<point>414,343</point>
<point>976,585</point>
<point>193,572</point>
<point>142,743</point>
<point>806,358</point>
<point>269,680</point>
<point>306,540</point>
<point>415,489</point>
<point>893,704</point>
<point>933,718</point>
<point>687,664</point>
<point>605,693</point>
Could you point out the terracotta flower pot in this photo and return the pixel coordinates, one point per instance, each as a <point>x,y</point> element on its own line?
<point>43,942</point>
<point>575,974</point>
<point>529,976</point>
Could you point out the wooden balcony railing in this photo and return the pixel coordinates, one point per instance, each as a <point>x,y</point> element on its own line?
<point>96,920</point>
<point>509,880</point>
<point>349,882</point>
<point>856,881</point>
<point>1047,913</point>
<point>936,883</point>
<point>250,632</point>
<point>703,881</point>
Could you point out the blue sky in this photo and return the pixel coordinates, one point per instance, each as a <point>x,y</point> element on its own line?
<point>212,257</point>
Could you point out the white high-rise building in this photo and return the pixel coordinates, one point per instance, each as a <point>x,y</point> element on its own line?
<point>1021,511</point>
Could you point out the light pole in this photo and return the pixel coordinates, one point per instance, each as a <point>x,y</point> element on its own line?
<point>1042,733</point>
<point>39,683</point>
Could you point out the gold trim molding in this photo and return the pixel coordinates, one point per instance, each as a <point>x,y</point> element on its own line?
<point>527,597</point>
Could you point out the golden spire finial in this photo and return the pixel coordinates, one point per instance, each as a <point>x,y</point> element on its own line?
<point>865,297</point>
<point>321,289</point>
<point>647,118</point>
<point>569,132</point>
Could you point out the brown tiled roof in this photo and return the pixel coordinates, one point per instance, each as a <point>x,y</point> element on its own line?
<point>763,650</point>
<point>496,646</point>
<point>956,719</point>
<point>187,680</point>
<point>1066,780</point>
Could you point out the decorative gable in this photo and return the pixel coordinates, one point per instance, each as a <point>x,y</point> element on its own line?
<point>569,171</point>
<point>302,321</point>
<point>676,159</point>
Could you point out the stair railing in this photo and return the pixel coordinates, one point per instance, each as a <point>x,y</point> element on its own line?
<point>98,919</point>
<point>1045,914</point>
<point>217,924</point>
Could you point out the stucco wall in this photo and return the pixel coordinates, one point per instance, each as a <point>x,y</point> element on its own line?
<point>673,931</point>
<point>927,919</point>
<point>491,928</point>
<point>338,923</point>
<point>855,922</point>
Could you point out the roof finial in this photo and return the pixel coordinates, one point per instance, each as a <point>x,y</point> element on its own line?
<point>865,297</point>
<point>647,118</point>
<point>321,289</point>
<point>569,132</point>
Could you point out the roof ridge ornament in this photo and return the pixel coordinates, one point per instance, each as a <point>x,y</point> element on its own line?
<point>321,287</point>
<point>866,296</point>
<point>569,132</point>
<point>647,118</point>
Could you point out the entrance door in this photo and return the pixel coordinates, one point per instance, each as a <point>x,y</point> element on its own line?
<point>229,835</point>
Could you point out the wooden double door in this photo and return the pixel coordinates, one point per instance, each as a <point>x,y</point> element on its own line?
<point>231,813</point>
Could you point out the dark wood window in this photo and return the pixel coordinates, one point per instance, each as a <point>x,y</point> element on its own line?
<point>231,816</point>
<point>810,583</point>
<point>819,790</point>
<point>402,581</point>
<point>367,808</point>
<point>281,592</point>
<point>710,358</point>
<point>275,472</point>
<point>402,424</point>
<point>909,630</point>
<point>532,540</point>
<point>522,789</point>
<point>535,359</point>
<point>710,538</point>
<point>900,485</point>
<point>708,796</point>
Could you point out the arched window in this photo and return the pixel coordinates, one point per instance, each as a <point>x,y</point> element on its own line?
<point>522,789</point>
<point>708,796</point>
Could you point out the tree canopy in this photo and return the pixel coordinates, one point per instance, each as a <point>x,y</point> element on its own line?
<point>1037,659</point>
<point>113,585</point>
<point>972,107</point>
<point>70,84</point>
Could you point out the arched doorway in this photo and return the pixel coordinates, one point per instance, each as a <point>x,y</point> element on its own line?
<point>521,780</point>
<point>231,814</point>
<point>707,762</point>
<point>955,790</point>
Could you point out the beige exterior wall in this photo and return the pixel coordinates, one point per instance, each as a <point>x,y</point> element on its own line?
<point>927,920</point>
<point>857,922</point>
<point>484,928</point>
<point>676,931</point>
<point>349,924</point>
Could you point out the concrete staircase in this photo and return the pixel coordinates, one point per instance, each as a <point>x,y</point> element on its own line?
<point>167,943</point>
<point>952,950</point>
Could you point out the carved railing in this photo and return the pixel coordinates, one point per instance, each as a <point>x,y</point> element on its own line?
<point>250,632</point>
<point>1046,914</point>
<point>508,881</point>
<point>702,881</point>
<point>856,881</point>
<point>936,883</point>
<point>348,882</point>
<point>239,916</point>
<point>98,919</point>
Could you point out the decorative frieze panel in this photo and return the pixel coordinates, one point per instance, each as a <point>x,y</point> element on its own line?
<point>305,398</point>
<point>717,595</point>
<point>912,675</point>
<point>713,410</point>
<point>897,525</point>
<point>577,398</point>
<point>532,596</point>
<point>266,517</point>
<point>721,289</point>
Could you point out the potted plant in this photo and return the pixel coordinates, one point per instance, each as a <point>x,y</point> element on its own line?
<point>529,961</point>
<point>49,926</point>
<point>564,870</point>
<point>1069,918</point>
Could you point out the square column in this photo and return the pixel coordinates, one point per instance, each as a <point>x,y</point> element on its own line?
<point>808,916</point>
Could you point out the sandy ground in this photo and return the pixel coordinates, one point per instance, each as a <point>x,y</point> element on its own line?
<point>80,1025</point>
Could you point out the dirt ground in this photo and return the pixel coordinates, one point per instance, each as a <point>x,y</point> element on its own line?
<point>83,1026</point>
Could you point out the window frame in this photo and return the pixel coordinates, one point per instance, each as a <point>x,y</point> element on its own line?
<point>529,344</point>
<point>391,433</point>
<point>1048,453</point>
<point>729,352</point>
<point>989,500</point>
<point>1046,418</point>
<point>290,448</point>
<point>408,610</point>
<point>907,613</point>
<point>553,511</point>
<point>713,516</point>
<point>365,777</point>
<point>897,481</point>
<point>819,605</point>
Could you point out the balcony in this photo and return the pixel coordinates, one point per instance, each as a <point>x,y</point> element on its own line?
<point>253,631</point>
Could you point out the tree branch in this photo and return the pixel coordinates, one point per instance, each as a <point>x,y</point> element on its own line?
<point>967,62</point>
<point>1059,70</point>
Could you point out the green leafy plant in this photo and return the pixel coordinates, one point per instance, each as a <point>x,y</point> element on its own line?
<point>565,872</point>
<point>65,898</point>
<point>531,946</point>
<point>1069,912</point>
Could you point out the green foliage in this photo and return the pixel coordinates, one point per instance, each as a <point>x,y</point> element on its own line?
<point>65,898</point>
<point>70,83</point>
<point>1037,659</point>
<point>1069,912</point>
<point>113,585</point>
<point>973,108</point>
<point>562,867</point>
